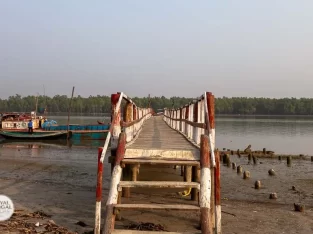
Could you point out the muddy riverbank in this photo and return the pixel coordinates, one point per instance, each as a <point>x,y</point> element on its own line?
<point>62,184</point>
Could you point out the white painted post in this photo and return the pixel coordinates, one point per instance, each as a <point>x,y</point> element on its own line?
<point>191,120</point>
<point>187,118</point>
<point>205,187</point>
<point>183,122</point>
<point>202,119</point>
<point>176,117</point>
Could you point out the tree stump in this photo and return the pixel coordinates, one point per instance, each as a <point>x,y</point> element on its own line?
<point>228,162</point>
<point>289,161</point>
<point>271,172</point>
<point>299,207</point>
<point>234,165</point>
<point>246,174</point>
<point>273,196</point>
<point>254,159</point>
<point>257,184</point>
<point>239,169</point>
<point>238,153</point>
<point>226,158</point>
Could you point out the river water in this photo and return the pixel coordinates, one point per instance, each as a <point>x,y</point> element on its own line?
<point>281,134</point>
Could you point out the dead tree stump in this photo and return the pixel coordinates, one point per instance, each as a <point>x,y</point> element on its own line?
<point>239,169</point>
<point>273,196</point>
<point>289,161</point>
<point>246,174</point>
<point>271,172</point>
<point>254,159</point>
<point>299,207</point>
<point>228,162</point>
<point>257,184</point>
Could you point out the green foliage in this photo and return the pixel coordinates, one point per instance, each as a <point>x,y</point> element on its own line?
<point>102,104</point>
<point>264,106</point>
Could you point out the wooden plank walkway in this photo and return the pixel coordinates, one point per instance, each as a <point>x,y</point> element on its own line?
<point>176,138</point>
<point>158,141</point>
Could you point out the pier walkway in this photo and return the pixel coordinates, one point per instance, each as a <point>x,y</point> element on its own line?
<point>183,137</point>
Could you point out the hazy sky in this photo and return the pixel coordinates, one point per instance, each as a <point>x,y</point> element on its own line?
<point>161,47</point>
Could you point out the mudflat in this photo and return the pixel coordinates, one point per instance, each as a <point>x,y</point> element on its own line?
<point>59,192</point>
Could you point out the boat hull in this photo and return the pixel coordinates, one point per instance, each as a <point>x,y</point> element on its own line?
<point>83,132</point>
<point>34,136</point>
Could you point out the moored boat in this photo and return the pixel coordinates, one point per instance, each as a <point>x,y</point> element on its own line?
<point>82,132</point>
<point>42,135</point>
<point>19,121</point>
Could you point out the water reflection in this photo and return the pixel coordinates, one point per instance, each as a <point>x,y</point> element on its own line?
<point>45,144</point>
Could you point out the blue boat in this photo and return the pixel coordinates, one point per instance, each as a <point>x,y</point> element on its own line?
<point>82,132</point>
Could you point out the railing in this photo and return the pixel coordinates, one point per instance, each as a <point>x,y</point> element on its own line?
<point>131,125</point>
<point>196,122</point>
<point>195,119</point>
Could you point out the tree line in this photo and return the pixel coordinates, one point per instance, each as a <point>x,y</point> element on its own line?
<point>102,104</point>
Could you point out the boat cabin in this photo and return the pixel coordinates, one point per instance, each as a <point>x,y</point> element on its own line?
<point>19,121</point>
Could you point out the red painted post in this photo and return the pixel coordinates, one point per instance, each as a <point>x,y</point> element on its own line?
<point>113,195</point>
<point>120,151</point>
<point>99,193</point>
<point>135,112</point>
<point>211,110</point>
<point>115,122</point>
<point>210,103</point>
<point>217,185</point>
<point>205,186</point>
<point>116,125</point>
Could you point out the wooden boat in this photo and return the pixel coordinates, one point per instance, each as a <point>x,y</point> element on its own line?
<point>19,121</point>
<point>82,131</point>
<point>99,122</point>
<point>34,136</point>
